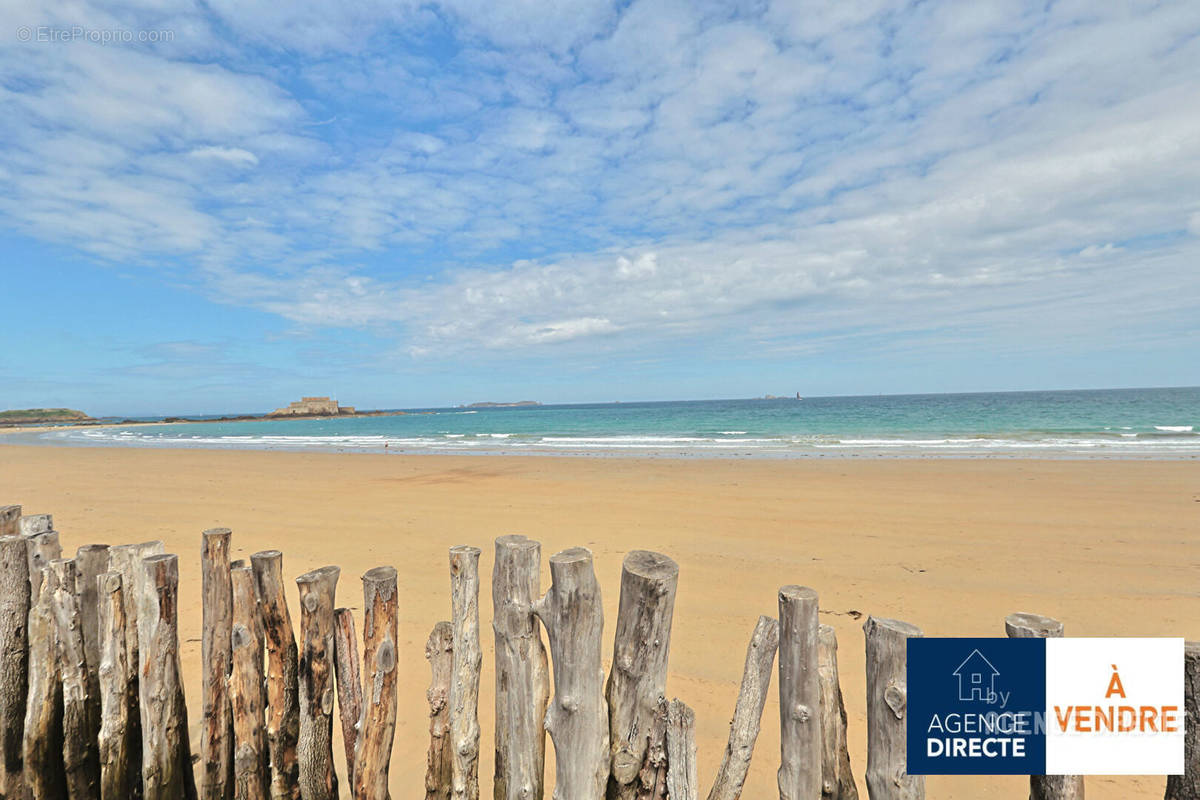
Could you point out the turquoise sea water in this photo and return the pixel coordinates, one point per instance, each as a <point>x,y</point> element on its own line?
<point>1141,423</point>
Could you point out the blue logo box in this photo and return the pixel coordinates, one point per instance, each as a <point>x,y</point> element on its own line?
<point>975,706</point>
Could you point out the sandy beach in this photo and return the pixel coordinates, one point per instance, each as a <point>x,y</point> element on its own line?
<point>1109,547</point>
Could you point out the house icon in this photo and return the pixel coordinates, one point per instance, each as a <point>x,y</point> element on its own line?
<point>976,679</point>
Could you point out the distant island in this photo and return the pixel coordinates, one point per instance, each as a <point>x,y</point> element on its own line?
<point>503,405</point>
<point>34,416</point>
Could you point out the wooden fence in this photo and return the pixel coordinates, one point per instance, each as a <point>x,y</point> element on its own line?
<point>92,705</point>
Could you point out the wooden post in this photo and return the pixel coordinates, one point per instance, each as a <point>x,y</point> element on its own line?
<point>33,524</point>
<point>747,714</point>
<point>799,695</point>
<point>1187,785</point>
<point>464,688</point>
<point>216,732</point>
<point>91,561</point>
<point>577,718</point>
<point>681,752</point>
<point>42,549</point>
<point>887,705</point>
<point>251,773</point>
<point>837,783</point>
<point>522,672</point>
<point>166,751</point>
<point>115,676</point>
<point>14,656</point>
<point>378,726</point>
<point>1044,787</point>
<point>349,682</point>
<point>126,559</point>
<point>42,745</point>
<point>318,780</point>
<point>283,699</point>
<point>81,711</point>
<point>439,650</point>
<point>638,678</point>
<point>10,517</point>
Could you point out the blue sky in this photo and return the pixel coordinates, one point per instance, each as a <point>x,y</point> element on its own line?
<point>410,204</point>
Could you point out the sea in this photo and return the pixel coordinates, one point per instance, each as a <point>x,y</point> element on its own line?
<point>1118,423</point>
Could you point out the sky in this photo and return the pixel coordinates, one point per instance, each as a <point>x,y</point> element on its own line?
<point>217,207</point>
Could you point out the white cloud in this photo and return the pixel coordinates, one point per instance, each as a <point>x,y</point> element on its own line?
<point>234,156</point>
<point>584,173</point>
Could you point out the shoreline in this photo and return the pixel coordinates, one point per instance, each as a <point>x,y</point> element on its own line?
<point>29,437</point>
<point>1108,547</point>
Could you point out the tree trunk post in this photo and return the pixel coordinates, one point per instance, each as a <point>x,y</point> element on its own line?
<point>837,782</point>
<point>10,524</point>
<point>42,745</point>
<point>577,718</point>
<point>127,560</point>
<point>681,752</point>
<point>91,561</point>
<point>349,683</point>
<point>1044,787</point>
<point>522,671</point>
<point>377,729</point>
<point>115,675</point>
<point>464,689</point>
<point>166,751</point>
<point>42,549</point>
<point>439,651</point>
<point>33,524</point>
<point>14,657</point>
<point>216,732</point>
<point>638,678</point>
<point>318,780</point>
<point>1187,785</point>
<point>799,695</point>
<point>887,707</point>
<point>283,694</point>
<point>747,714</point>
<point>251,774</point>
<point>81,711</point>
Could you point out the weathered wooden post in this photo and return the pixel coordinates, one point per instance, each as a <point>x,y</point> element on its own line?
<point>216,732</point>
<point>81,711</point>
<point>638,678</point>
<point>91,561</point>
<point>166,750</point>
<point>33,524</point>
<point>378,726</point>
<point>10,517</point>
<point>283,698</point>
<point>747,714</point>
<point>887,705</point>
<point>1044,787</point>
<point>42,746</point>
<point>126,559</point>
<point>681,752</point>
<point>42,549</point>
<point>14,655</point>
<point>837,782</point>
<point>349,683</point>
<point>577,718</point>
<point>251,773</point>
<point>439,650</point>
<point>115,675</point>
<point>799,695</point>
<point>522,672</point>
<point>464,688</point>
<point>1187,785</point>
<point>318,781</point>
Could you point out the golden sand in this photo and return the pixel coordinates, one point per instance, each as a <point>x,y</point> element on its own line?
<point>1109,547</point>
